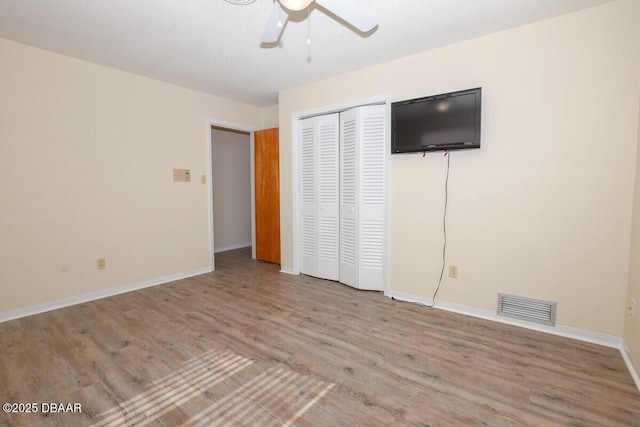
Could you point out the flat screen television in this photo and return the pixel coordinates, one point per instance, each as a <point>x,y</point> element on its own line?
<point>449,121</point>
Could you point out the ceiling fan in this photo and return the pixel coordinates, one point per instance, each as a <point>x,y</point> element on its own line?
<point>351,13</point>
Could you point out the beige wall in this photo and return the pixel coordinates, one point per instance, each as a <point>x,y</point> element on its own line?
<point>544,208</point>
<point>271,115</point>
<point>632,325</point>
<point>86,158</point>
<point>231,153</point>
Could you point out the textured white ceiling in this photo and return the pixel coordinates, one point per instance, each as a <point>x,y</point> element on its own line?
<point>213,46</point>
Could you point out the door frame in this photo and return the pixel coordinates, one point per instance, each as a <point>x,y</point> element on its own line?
<point>210,166</point>
<point>296,211</point>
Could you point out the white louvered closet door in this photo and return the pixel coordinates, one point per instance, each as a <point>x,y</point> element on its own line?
<point>342,190</point>
<point>319,139</point>
<point>308,197</point>
<point>349,136</point>
<point>362,197</point>
<point>371,197</point>
<point>328,187</point>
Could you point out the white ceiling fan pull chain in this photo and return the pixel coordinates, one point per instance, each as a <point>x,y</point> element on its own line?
<point>309,35</point>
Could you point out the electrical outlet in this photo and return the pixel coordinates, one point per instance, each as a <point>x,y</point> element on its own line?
<point>203,179</point>
<point>453,271</point>
<point>632,308</point>
<point>101,263</point>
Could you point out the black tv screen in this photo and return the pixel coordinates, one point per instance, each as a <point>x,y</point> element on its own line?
<point>449,121</point>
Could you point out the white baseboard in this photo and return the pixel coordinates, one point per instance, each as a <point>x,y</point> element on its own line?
<point>288,271</point>
<point>563,331</point>
<point>232,247</point>
<point>79,299</point>
<point>634,370</point>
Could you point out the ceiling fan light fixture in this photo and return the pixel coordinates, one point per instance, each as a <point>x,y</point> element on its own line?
<point>295,5</point>
<point>240,2</point>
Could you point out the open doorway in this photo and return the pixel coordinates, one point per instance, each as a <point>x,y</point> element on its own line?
<point>232,190</point>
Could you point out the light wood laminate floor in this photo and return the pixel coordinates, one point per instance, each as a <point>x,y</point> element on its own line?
<point>249,346</point>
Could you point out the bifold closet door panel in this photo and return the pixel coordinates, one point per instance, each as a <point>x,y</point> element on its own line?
<point>362,197</point>
<point>319,184</point>
<point>328,197</point>
<point>308,198</point>
<point>349,253</point>
<point>371,197</point>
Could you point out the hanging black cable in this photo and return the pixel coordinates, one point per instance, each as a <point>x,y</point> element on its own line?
<point>444,231</point>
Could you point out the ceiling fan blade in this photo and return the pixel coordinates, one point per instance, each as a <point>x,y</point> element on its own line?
<point>275,24</point>
<point>350,13</point>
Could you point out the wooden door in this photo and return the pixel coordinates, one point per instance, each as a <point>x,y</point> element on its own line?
<point>267,187</point>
